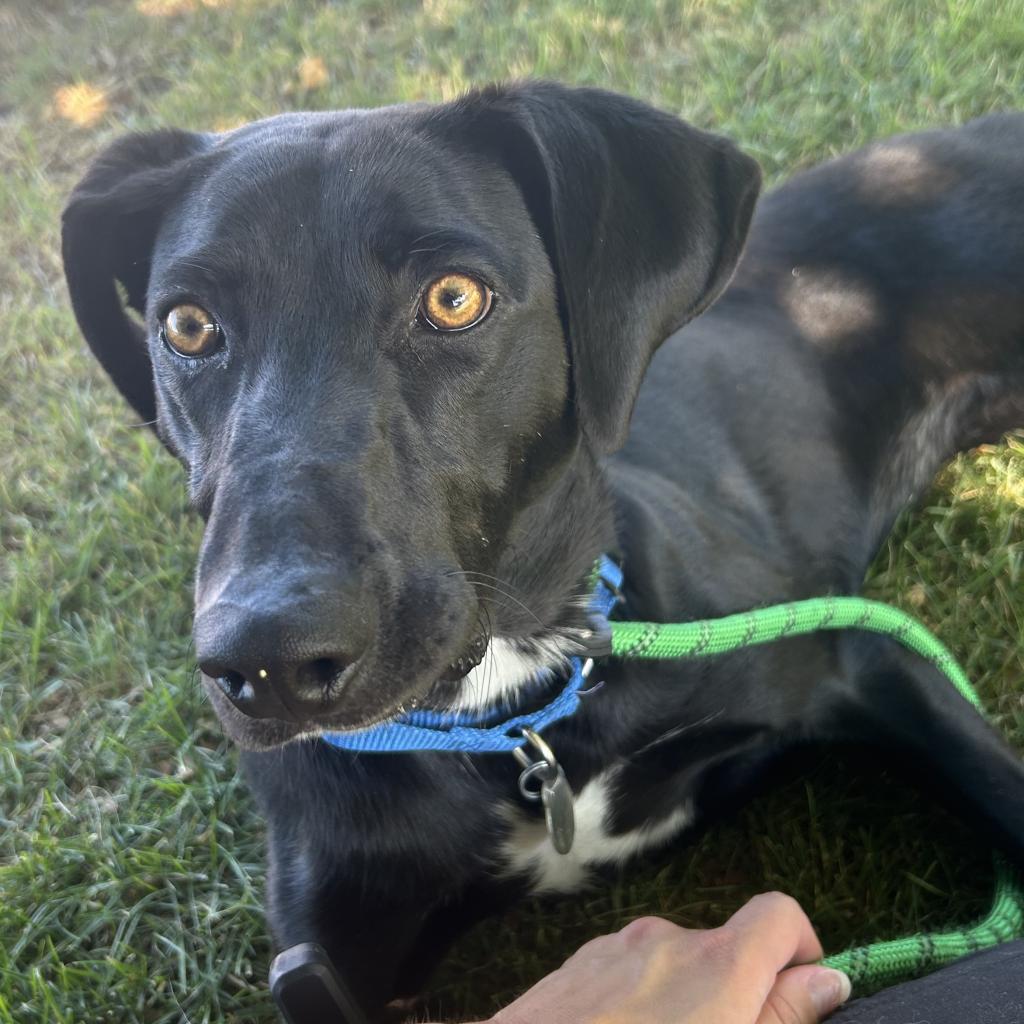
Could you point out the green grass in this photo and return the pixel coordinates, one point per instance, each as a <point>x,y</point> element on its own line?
<point>130,856</point>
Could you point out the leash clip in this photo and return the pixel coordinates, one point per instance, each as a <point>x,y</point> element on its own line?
<point>554,793</point>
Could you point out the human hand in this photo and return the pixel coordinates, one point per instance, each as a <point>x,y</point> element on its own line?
<point>755,969</point>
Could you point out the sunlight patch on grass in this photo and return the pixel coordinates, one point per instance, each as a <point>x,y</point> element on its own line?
<point>313,74</point>
<point>173,8</point>
<point>81,104</point>
<point>444,12</point>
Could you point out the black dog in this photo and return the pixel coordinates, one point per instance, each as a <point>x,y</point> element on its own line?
<point>394,350</point>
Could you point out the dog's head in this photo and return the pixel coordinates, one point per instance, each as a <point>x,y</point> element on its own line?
<point>380,341</point>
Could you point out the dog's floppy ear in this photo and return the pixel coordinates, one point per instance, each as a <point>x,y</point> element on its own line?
<point>109,227</point>
<point>643,217</point>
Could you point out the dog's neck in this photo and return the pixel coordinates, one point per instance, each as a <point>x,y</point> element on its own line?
<point>539,607</point>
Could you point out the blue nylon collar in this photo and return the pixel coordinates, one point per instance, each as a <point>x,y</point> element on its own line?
<point>469,732</point>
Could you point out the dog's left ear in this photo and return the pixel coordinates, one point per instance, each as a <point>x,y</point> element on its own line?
<point>643,216</point>
<point>109,228</point>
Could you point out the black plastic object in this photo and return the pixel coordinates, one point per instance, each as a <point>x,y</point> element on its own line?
<point>308,989</point>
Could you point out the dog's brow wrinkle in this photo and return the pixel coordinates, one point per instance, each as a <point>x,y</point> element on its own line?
<point>426,235</point>
<point>472,244</point>
<point>422,238</point>
<point>200,260</point>
<point>195,263</point>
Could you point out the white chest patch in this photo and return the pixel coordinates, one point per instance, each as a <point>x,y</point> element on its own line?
<point>528,849</point>
<point>508,665</point>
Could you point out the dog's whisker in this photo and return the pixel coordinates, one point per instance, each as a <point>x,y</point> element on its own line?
<point>498,586</point>
<point>470,767</point>
<point>494,601</point>
<point>489,666</point>
<point>676,731</point>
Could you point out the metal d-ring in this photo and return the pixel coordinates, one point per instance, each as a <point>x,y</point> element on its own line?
<point>535,740</point>
<point>545,769</point>
<point>539,770</point>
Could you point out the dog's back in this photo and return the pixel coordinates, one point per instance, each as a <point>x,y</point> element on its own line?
<point>875,326</point>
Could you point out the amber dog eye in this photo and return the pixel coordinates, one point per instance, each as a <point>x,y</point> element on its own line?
<point>191,331</point>
<point>455,302</point>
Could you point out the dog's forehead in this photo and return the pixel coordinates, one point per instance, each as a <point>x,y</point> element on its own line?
<point>371,177</point>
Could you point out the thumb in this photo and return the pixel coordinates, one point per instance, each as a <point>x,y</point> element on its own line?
<point>804,995</point>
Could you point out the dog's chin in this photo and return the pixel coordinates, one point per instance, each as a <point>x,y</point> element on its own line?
<point>251,733</point>
<point>271,733</point>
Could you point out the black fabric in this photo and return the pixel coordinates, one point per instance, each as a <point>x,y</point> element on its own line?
<point>986,988</point>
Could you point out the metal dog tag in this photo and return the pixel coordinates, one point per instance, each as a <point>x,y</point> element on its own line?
<point>557,796</point>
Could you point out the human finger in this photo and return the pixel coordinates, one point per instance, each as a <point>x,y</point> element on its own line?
<point>804,995</point>
<point>773,928</point>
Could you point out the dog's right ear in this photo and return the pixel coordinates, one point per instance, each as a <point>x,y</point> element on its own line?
<point>109,228</point>
<point>643,217</point>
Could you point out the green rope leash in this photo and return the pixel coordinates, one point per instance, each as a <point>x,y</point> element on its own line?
<point>885,963</point>
<point>765,625</point>
<point>880,963</point>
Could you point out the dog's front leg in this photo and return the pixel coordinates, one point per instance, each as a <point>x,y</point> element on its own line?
<point>385,955</point>
<point>380,862</point>
<point>367,937</point>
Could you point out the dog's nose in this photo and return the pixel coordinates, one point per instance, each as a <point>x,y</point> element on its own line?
<point>277,689</point>
<point>290,663</point>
